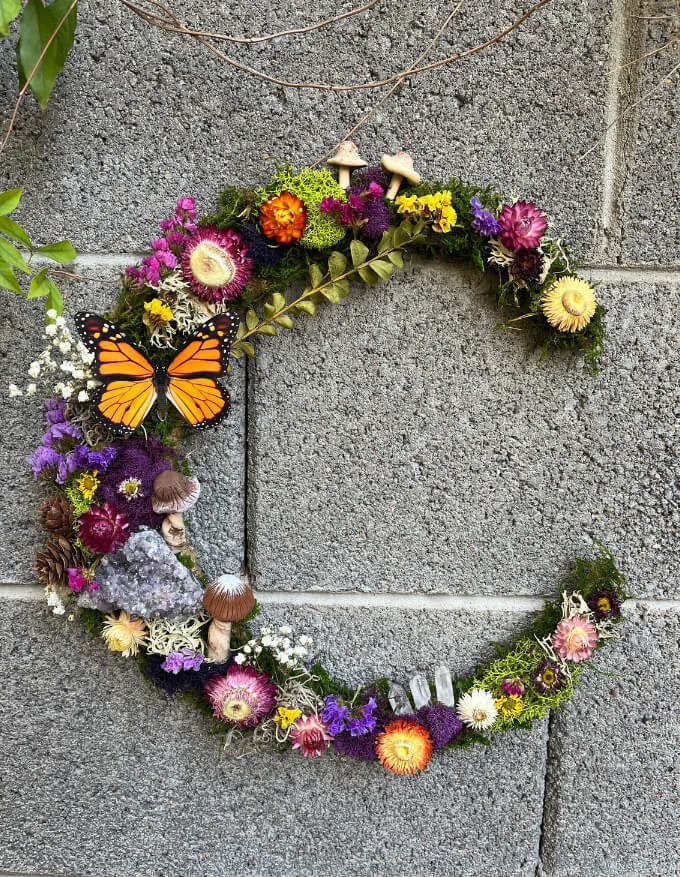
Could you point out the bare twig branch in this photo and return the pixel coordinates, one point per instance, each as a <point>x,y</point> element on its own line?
<point>649,54</point>
<point>367,115</point>
<point>63,273</point>
<point>324,86</point>
<point>174,25</point>
<point>630,107</point>
<point>29,79</point>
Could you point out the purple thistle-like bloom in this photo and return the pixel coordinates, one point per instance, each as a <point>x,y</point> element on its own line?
<point>528,265</point>
<point>442,722</point>
<point>142,459</point>
<point>370,184</point>
<point>362,179</point>
<point>484,223</point>
<point>184,660</point>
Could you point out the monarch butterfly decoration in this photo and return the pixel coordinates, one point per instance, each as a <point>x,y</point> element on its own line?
<point>131,384</point>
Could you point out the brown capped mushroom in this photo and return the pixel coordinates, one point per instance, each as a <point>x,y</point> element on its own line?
<point>228,599</point>
<point>345,159</point>
<point>174,492</point>
<point>401,168</point>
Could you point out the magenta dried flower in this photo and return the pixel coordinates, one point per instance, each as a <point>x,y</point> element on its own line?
<point>521,225</point>
<point>513,686</point>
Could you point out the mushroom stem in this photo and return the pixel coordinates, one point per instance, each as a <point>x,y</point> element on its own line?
<point>219,640</point>
<point>395,182</point>
<point>343,177</point>
<point>174,533</point>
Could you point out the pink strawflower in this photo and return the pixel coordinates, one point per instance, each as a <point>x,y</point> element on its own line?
<point>310,735</point>
<point>574,639</point>
<point>215,264</point>
<point>103,529</point>
<point>243,697</point>
<point>521,225</point>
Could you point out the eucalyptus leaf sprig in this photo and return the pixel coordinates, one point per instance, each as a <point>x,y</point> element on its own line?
<point>329,284</point>
<point>12,259</point>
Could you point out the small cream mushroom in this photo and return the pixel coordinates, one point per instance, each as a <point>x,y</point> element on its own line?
<point>401,168</point>
<point>174,533</point>
<point>173,494</point>
<point>228,599</point>
<point>345,159</point>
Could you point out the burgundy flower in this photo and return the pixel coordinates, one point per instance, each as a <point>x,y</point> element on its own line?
<point>103,530</point>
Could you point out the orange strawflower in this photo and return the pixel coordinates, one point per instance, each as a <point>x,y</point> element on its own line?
<point>283,217</point>
<point>404,746</point>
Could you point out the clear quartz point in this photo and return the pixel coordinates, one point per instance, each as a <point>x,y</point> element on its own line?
<point>399,699</point>
<point>444,686</point>
<point>420,690</point>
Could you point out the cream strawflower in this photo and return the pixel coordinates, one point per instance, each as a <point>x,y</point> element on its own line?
<point>569,304</point>
<point>124,634</point>
<point>477,709</point>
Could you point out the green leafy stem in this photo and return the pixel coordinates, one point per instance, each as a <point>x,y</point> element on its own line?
<point>331,284</point>
<point>12,259</point>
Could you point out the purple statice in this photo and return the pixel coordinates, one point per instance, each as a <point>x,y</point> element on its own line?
<point>100,460</point>
<point>58,431</point>
<point>187,659</point>
<point>56,407</point>
<point>55,445</point>
<point>365,721</point>
<point>44,458</point>
<point>166,250</point>
<point>334,715</point>
<point>137,460</point>
<point>184,680</point>
<point>484,223</point>
<point>260,249</point>
<point>442,723</point>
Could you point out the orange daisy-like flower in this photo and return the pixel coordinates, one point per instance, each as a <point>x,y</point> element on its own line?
<point>283,217</point>
<point>404,746</point>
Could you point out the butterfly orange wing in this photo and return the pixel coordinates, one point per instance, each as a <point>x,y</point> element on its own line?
<point>192,386</point>
<point>129,390</point>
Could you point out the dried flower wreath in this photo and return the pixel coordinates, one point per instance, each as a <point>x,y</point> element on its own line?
<point>117,554</point>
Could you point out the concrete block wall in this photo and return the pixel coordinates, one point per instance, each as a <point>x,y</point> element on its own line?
<point>407,486</point>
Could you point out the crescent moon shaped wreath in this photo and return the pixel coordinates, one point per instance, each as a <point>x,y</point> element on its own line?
<point>116,553</point>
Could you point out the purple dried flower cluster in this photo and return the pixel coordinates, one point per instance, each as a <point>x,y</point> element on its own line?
<point>56,448</point>
<point>166,250</point>
<point>187,659</point>
<point>483,222</point>
<point>365,209</point>
<point>338,717</point>
<point>138,460</point>
<point>260,248</point>
<point>183,680</point>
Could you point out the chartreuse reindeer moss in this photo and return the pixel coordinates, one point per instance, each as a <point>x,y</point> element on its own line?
<point>118,551</point>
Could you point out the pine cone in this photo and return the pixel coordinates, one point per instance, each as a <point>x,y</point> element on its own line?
<point>53,562</point>
<point>56,515</point>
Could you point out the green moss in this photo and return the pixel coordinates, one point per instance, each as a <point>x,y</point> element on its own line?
<point>78,502</point>
<point>311,186</point>
<point>93,621</point>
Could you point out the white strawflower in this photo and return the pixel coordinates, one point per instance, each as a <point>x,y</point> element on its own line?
<point>67,366</point>
<point>305,640</point>
<point>34,369</point>
<point>14,391</point>
<point>477,709</point>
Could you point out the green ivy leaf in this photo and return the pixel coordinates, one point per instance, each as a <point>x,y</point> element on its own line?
<point>7,278</point>
<point>315,275</point>
<point>396,258</point>
<point>285,321</point>
<point>9,200</point>
<point>337,264</point>
<point>252,319</point>
<point>359,252</point>
<point>382,269</point>
<point>9,9</point>
<point>61,252</point>
<point>14,230</point>
<point>10,254</point>
<point>307,306</point>
<point>38,24</point>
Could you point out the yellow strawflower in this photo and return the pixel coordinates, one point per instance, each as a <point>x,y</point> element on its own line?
<point>510,705</point>
<point>124,634</point>
<point>284,717</point>
<point>569,304</point>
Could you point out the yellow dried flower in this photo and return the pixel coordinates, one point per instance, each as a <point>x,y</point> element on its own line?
<point>510,705</point>
<point>285,717</point>
<point>87,484</point>
<point>569,304</point>
<point>124,634</point>
<point>406,203</point>
<point>156,313</point>
<point>446,220</point>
